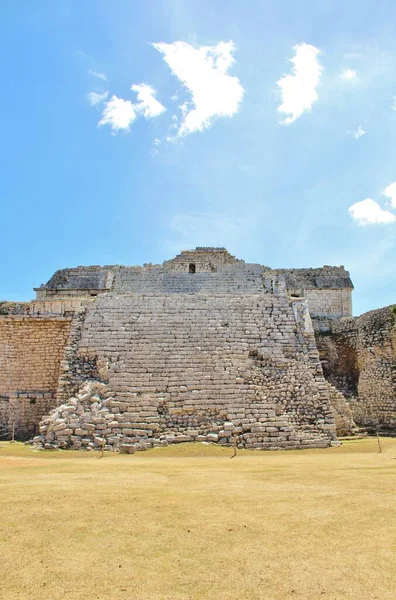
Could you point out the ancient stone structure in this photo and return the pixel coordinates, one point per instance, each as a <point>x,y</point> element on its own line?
<point>203,347</point>
<point>31,350</point>
<point>359,359</point>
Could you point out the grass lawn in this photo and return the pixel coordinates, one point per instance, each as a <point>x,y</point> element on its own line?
<point>186,522</point>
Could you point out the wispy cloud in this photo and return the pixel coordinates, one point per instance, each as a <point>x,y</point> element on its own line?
<point>118,113</point>
<point>369,212</point>
<point>298,91</point>
<point>390,192</point>
<point>359,132</point>
<point>147,104</point>
<point>96,97</point>
<point>100,76</point>
<point>393,105</point>
<point>348,74</point>
<point>203,71</point>
<point>156,144</point>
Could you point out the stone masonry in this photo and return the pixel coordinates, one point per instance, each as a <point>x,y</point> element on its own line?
<point>359,359</point>
<point>185,367</point>
<point>31,350</point>
<point>201,348</point>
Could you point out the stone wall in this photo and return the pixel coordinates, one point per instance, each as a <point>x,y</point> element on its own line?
<point>206,270</point>
<point>81,278</point>
<point>231,279</point>
<point>344,421</point>
<point>333,304</point>
<point>328,290</point>
<point>49,307</point>
<point>202,347</point>
<point>182,367</point>
<point>359,359</point>
<point>203,260</point>
<point>326,277</point>
<point>31,349</point>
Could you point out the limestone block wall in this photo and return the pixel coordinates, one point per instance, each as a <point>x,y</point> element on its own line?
<point>81,278</point>
<point>31,349</point>
<point>181,367</point>
<point>344,420</point>
<point>359,358</point>
<point>48,307</point>
<point>203,259</point>
<point>326,277</point>
<point>328,290</point>
<point>250,279</point>
<point>206,270</point>
<point>329,303</point>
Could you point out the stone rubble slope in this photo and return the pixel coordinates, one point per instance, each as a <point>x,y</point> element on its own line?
<point>93,420</point>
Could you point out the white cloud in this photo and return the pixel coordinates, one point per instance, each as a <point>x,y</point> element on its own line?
<point>393,105</point>
<point>348,74</point>
<point>298,91</point>
<point>359,132</point>
<point>203,72</point>
<point>118,113</point>
<point>100,76</point>
<point>390,192</point>
<point>147,104</point>
<point>368,212</point>
<point>96,97</point>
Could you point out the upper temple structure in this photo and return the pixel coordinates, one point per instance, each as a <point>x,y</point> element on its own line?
<point>204,347</point>
<point>327,290</point>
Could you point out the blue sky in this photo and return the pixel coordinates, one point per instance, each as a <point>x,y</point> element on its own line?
<point>223,141</point>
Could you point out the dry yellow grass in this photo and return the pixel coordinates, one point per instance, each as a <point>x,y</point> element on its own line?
<point>186,522</point>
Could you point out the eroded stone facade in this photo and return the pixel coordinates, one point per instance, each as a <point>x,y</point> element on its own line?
<point>31,350</point>
<point>203,347</point>
<point>359,359</point>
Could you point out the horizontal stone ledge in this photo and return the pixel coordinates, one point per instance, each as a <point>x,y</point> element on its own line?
<point>35,317</point>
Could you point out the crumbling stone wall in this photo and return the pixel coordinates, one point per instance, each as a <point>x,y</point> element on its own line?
<point>230,279</point>
<point>359,359</point>
<point>205,270</point>
<point>202,347</point>
<point>31,349</point>
<point>333,304</point>
<point>327,290</point>
<point>80,281</point>
<point>204,259</point>
<point>343,415</point>
<point>183,367</point>
<point>49,307</point>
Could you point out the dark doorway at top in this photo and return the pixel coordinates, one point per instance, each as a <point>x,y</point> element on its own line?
<point>191,268</point>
